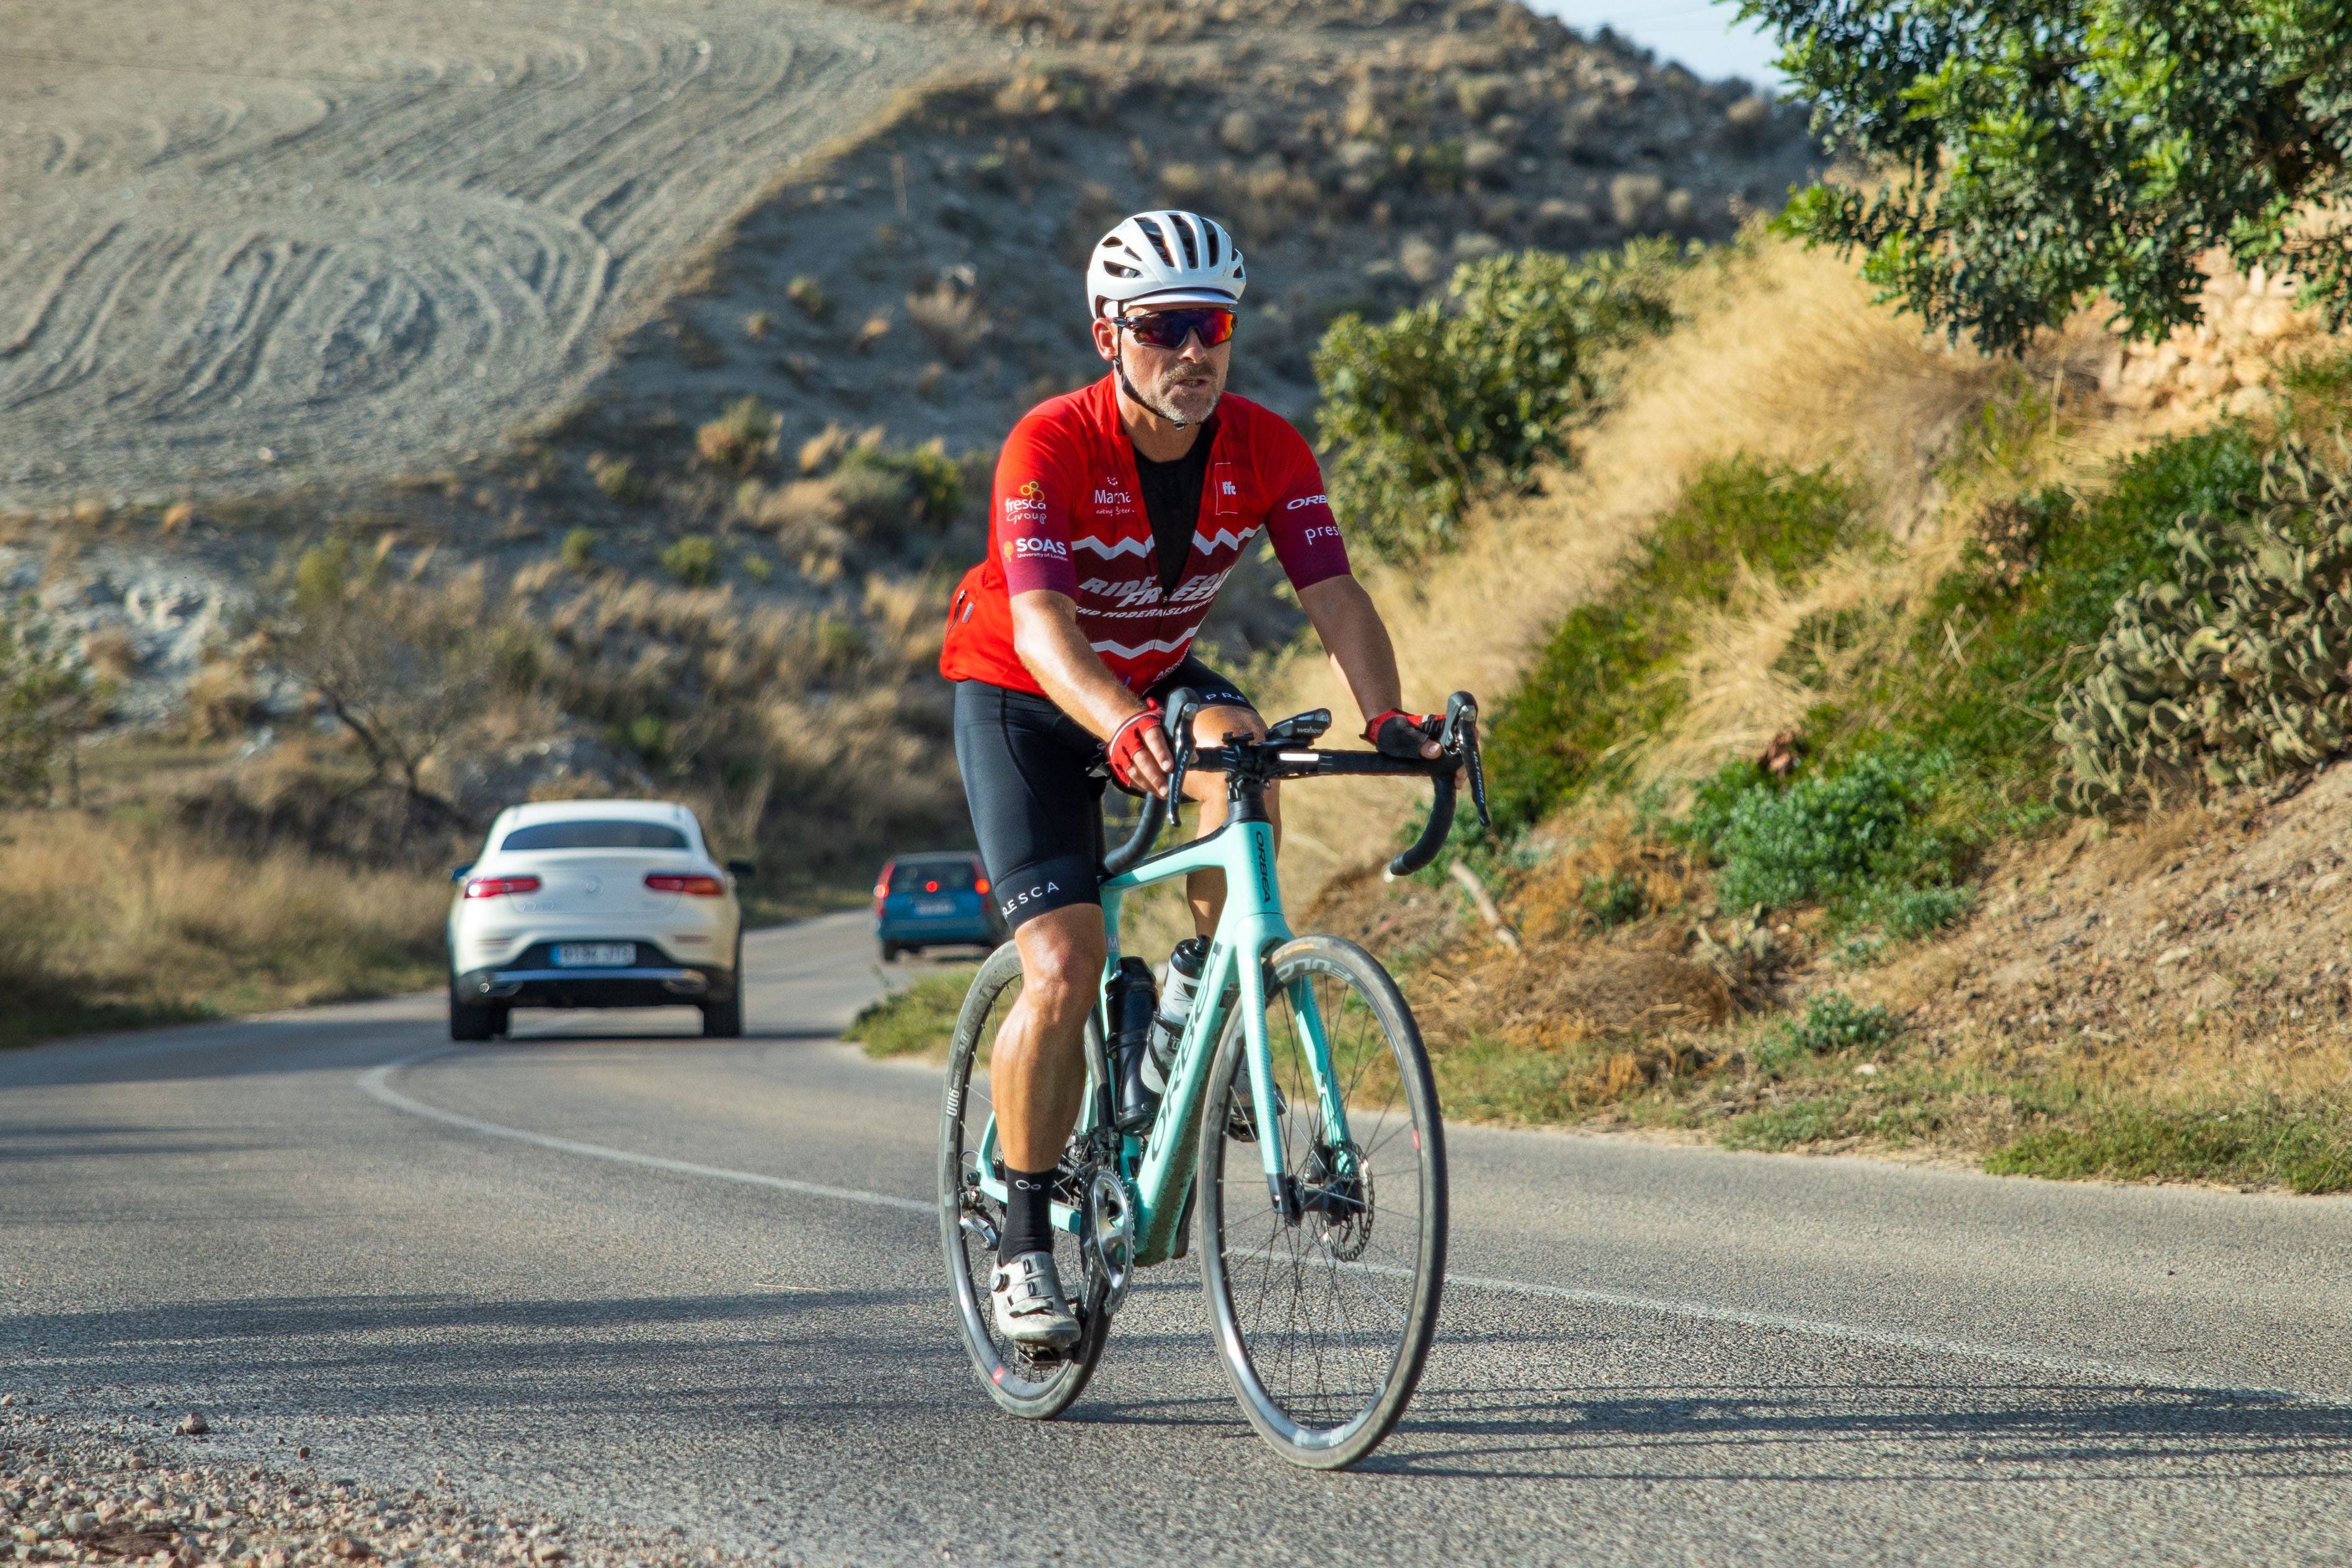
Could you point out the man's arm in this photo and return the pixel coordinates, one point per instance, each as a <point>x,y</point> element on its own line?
<point>1357,639</point>
<point>1046,635</point>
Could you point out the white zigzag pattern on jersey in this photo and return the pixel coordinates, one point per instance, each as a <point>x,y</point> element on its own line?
<point>1112,552</point>
<point>1157,645</point>
<point>1218,540</point>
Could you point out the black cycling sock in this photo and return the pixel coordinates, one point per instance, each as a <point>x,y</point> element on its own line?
<point>1028,1214</point>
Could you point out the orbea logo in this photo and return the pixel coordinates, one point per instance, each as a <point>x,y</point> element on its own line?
<point>1307,501</point>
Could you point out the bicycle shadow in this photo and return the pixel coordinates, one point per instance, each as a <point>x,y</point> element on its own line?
<point>1985,1432</point>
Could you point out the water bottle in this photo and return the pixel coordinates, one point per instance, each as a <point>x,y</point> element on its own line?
<point>1185,967</point>
<point>1132,1000</point>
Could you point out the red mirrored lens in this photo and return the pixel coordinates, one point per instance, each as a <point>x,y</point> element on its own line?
<point>1169,328</point>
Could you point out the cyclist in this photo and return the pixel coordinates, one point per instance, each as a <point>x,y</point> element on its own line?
<point>1118,510</point>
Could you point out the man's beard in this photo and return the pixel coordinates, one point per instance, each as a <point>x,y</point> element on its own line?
<point>1164,403</point>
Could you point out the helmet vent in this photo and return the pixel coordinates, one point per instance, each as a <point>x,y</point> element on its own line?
<point>1159,241</point>
<point>1209,234</point>
<point>1184,237</point>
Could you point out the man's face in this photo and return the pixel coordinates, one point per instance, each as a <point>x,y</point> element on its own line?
<point>1182,383</point>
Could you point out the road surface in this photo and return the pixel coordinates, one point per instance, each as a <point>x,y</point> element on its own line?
<point>695,1286</point>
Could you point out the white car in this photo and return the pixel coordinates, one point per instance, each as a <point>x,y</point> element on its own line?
<point>595,903</point>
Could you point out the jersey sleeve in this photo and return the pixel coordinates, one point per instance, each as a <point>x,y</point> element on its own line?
<point>1298,516</point>
<point>1030,512</point>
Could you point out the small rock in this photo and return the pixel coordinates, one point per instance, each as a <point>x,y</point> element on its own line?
<point>194,1425</point>
<point>2174,956</point>
<point>546,1552</point>
<point>349,1548</point>
<point>7,1399</point>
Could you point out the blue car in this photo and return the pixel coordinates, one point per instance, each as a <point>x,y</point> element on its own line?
<point>922,901</point>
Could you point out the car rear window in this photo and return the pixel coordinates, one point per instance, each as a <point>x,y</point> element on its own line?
<point>589,834</point>
<point>953,876</point>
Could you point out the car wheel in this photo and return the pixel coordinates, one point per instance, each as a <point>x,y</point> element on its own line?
<point>467,1021</point>
<point>723,1021</point>
<point>500,1018</point>
<point>889,952</point>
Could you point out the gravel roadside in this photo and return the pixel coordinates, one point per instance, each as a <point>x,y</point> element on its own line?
<point>76,1488</point>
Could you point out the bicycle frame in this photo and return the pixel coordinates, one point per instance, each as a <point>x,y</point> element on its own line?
<point>1158,1166</point>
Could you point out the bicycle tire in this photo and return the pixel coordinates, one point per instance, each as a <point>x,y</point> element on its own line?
<point>1036,1389</point>
<point>1328,1407</point>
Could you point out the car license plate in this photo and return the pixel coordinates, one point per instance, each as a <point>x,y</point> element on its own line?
<point>595,955</point>
<point>935,906</point>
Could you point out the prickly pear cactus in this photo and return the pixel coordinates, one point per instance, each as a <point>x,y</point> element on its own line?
<point>2236,672</point>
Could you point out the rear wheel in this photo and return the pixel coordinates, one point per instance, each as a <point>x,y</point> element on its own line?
<point>723,1021</point>
<point>470,1021</point>
<point>889,952</point>
<point>1325,1300</point>
<point>1038,1387</point>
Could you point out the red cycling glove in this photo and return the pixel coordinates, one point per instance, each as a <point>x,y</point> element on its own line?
<point>1126,741</point>
<point>1396,733</point>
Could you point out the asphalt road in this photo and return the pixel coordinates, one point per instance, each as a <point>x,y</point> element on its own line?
<point>695,1286</point>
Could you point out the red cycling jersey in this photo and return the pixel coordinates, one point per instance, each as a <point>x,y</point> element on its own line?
<point>1067,516</point>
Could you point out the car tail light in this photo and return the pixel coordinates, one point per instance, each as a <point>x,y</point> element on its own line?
<point>979,885</point>
<point>685,881</point>
<point>499,886</point>
<point>931,886</point>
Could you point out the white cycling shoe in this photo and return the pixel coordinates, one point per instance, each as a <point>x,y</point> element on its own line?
<point>1026,1296</point>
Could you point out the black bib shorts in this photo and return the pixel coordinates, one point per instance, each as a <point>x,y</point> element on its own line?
<point>1027,774</point>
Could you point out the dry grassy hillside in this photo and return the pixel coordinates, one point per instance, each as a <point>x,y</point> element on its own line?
<point>2130,995</point>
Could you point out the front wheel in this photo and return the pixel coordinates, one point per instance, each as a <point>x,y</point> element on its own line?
<point>1038,1387</point>
<point>1324,1294</point>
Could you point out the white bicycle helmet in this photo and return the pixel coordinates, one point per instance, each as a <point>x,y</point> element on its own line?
<point>1164,258</point>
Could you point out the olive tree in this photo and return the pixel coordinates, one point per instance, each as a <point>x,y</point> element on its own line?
<point>2031,153</point>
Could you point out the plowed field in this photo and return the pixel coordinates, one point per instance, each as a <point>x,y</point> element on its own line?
<point>244,245</point>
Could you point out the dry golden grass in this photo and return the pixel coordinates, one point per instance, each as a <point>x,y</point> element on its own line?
<point>117,921</point>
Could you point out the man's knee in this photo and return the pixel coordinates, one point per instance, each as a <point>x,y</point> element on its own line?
<point>1212,725</point>
<point>1062,962</point>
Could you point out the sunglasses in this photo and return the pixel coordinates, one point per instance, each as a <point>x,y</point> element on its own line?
<point>1169,328</point>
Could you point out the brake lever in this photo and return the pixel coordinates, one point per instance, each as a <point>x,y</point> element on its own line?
<point>1181,732</point>
<point>1459,736</point>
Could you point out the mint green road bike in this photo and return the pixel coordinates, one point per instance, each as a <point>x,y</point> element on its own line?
<point>1321,1226</point>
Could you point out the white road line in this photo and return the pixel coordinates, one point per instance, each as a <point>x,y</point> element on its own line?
<point>376,1082</point>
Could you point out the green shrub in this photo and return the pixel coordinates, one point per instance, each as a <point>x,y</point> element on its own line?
<point>740,437</point>
<point>580,548</point>
<point>618,478</point>
<point>1597,683</point>
<point>2233,666</point>
<point>45,701</point>
<point>1818,836</point>
<point>1612,901</point>
<point>809,294</point>
<point>1833,1022</point>
<point>1467,393</point>
<point>1991,708</point>
<point>692,559</point>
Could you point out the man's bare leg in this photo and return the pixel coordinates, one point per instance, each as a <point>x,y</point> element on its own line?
<point>1037,1075</point>
<point>1205,890</point>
